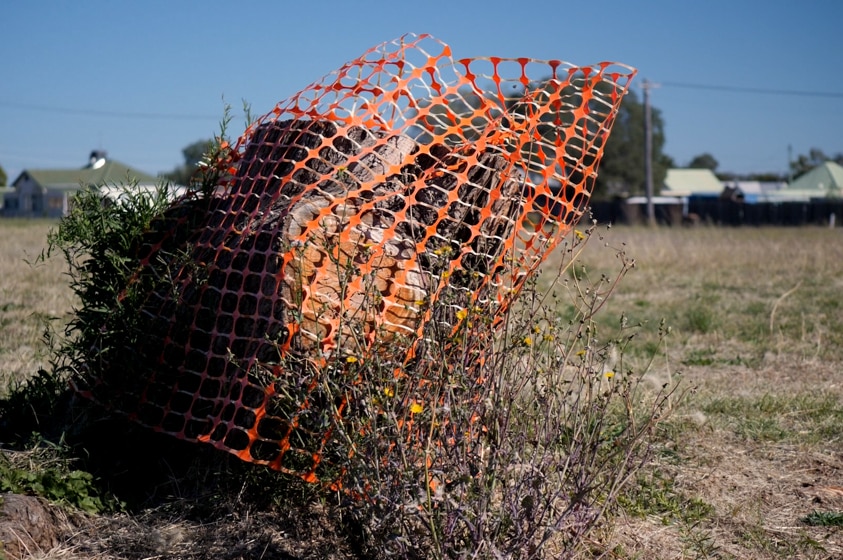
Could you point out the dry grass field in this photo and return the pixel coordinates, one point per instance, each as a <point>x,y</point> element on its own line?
<point>31,293</point>
<point>755,452</point>
<point>749,465</point>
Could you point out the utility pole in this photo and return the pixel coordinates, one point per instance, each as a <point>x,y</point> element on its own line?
<point>789,166</point>
<point>648,151</point>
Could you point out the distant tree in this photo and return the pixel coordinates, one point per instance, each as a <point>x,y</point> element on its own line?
<point>193,154</point>
<point>769,177</point>
<point>804,163</point>
<point>704,161</point>
<point>622,170</point>
<point>815,157</point>
<point>3,177</point>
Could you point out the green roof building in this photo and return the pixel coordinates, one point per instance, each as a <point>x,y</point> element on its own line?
<point>691,182</point>
<point>823,181</point>
<point>49,192</point>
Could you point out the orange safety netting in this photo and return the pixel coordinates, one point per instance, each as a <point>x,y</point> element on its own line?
<point>392,195</point>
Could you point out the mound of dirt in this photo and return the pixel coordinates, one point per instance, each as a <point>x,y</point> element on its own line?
<point>29,525</point>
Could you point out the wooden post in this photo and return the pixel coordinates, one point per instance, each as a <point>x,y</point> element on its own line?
<point>648,153</point>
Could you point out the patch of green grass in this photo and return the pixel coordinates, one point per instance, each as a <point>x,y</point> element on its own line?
<point>701,318</point>
<point>657,495</point>
<point>756,309</point>
<point>699,542</point>
<point>755,537</point>
<point>672,436</point>
<point>710,357</point>
<point>824,519</point>
<point>651,347</point>
<point>804,417</point>
<point>700,357</point>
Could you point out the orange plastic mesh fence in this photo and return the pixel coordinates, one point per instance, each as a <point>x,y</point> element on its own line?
<point>392,195</point>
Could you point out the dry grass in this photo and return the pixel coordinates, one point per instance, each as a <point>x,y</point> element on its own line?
<point>751,294</point>
<point>31,294</point>
<point>757,328</point>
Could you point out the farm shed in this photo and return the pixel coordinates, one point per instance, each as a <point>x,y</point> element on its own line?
<point>49,193</point>
<point>687,182</point>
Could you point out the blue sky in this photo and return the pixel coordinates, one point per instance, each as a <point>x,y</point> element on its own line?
<point>144,79</point>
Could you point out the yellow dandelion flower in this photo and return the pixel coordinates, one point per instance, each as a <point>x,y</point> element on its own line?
<point>609,374</point>
<point>462,314</point>
<point>389,392</point>
<point>548,337</point>
<point>351,359</point>
<point>528,341</point>
<point>446,275</point>
<point>581,353</point>
<point>416,408</point>
<point>580,235</point>
<point>537,329</point>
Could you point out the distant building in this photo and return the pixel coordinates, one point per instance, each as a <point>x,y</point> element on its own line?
<point>669,210</point>
<point>823,181</point>
<point>752,192</point>
<point>49,193</point>
<point>691,182</point>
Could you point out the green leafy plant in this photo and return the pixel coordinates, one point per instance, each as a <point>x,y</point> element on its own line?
<point>44,472</point>
<point>98,242</point>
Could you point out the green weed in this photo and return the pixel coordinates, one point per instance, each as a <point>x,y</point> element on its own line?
<point>701,318</point>
<point>698,541</point>
<point>655,494</point>
<point>48,475</point>
<point>824,519</point>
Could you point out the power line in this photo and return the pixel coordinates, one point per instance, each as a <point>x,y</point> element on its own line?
<point>101,113</point>
<point>196,117</point>
<point>766,91</point>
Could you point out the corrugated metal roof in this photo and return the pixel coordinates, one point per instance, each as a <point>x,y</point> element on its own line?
<point>756,187</point>
<point>683,182</point>
<point>110,173</point>
<point>823,180</point>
